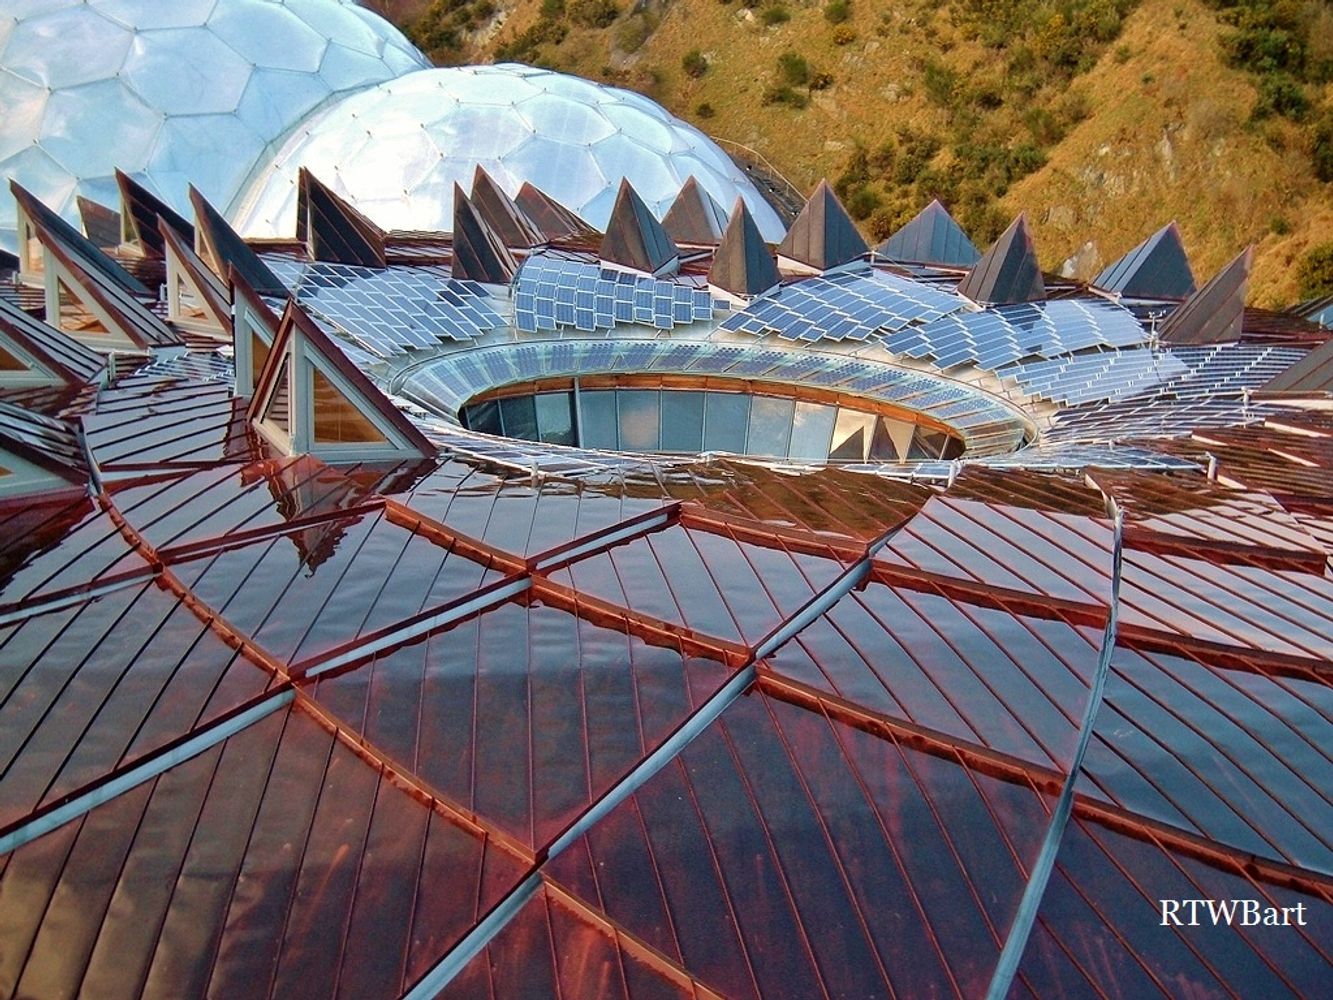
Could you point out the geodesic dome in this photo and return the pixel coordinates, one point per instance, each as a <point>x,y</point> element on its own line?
<point>172,91</point>
<point>397,149</point>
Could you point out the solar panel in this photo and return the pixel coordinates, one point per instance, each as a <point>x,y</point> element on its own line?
<point>392,310</point>
<point>1004,335</point>
<point>1097,375</point>
<point>553,292</point>
<point>843,307</point>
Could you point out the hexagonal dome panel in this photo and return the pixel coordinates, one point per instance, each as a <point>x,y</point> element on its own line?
<point>197,90</point>
<point>572,138</point>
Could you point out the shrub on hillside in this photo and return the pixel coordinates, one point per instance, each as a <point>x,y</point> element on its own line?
<point>837,11</point>
<point>694,64</point>
<point>593,13</point>
<point>1315,272</point>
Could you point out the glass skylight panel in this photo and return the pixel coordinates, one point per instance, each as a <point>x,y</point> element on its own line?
<point>848,306</point>
<point>552,292</point>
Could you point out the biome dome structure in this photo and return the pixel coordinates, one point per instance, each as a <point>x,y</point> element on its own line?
<point>528,610</point>
<point>173,92</point>
<point>395,151</point>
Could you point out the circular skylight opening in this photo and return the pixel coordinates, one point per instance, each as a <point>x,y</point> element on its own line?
<point>688,417</point>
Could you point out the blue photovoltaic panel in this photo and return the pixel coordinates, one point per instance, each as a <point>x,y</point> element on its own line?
<point>848,306</point>
<point>1223,368</point>
<point>994,338</point>
<point>551,292</point>
<point>389,311</point>
<point>1096,375</point>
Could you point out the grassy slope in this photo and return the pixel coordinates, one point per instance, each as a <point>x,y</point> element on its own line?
<point>1167,136</point>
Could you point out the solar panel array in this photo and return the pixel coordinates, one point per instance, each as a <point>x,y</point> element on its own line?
<point>1052,456</point>
<point>1208,392</point>
<point>1223,368</point>
<point>849,306</point>
<point>994,338</point>
<point>1096,375</point>
<point>449,381</point>
<point>393,310</point>
<point>552,292</point>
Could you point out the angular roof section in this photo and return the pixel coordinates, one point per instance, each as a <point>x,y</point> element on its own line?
<point>120,313</point>
<point>184,267</point>
<point>330,408</point>
<point>56,354</point>
<point>140,211</point>
<point>50,228</point>
<point>254,327</point>
<point>1008,271</point>
<point>34,448</point>
<point>228,251</point>
<point>823,237</point>
<point>510,223</point>
<point>1312,374</point>
<point>932,237</point>
<point>100,224</point>
<point>479,252</point>
<point>553,219</point>
<point>743,264</point>
<point>694,218</point>
<point>634,238</point>
<point>1156,268</point>
<point>333,230</point>
<point>1213,314</point>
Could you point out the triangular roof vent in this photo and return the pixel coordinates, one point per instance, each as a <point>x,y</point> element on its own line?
<point>742,266</point>
<point>39,227</point>
<point>310,399</point>
<point>1008,271</point>
<point>502,214</point>
<point>140,212</point>
<point>196,298</point>
<point>823,238</point>
<point>932,237</point>
<point>479,253</point>
<point>254,327</point>
<point>1213,314</point>
<point>100,224</point>
<point>34,354</point>
<point>555,221</point>
<point>694,218</point>
<point>1156,268</point>
<point>334,231</point>
<point>38,454</point>
<point>223,249</point>
<point>635,239</point>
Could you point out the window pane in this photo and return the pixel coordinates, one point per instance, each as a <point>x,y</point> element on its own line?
<point>770,426</point>
<point>555,417</point>
<point>597,420</point>
<point>337,419</point>
<point>639,419</point>
<point>852,436</point>
<point>279,409</point>
<point>811,429</point>
<point>726,417</point>
<point>683,421</point>
<point>9,363</point>
<point>892,440</point>
<point>484,417</point>
<point>519,416</point>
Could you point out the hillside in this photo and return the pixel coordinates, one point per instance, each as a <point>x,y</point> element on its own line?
<point>1100,118</point>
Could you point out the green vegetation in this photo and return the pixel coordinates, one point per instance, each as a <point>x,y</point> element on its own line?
<point>837,11</point>
<point>775,14</point>
<point>694,64</point>
<point>1315,272</point>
